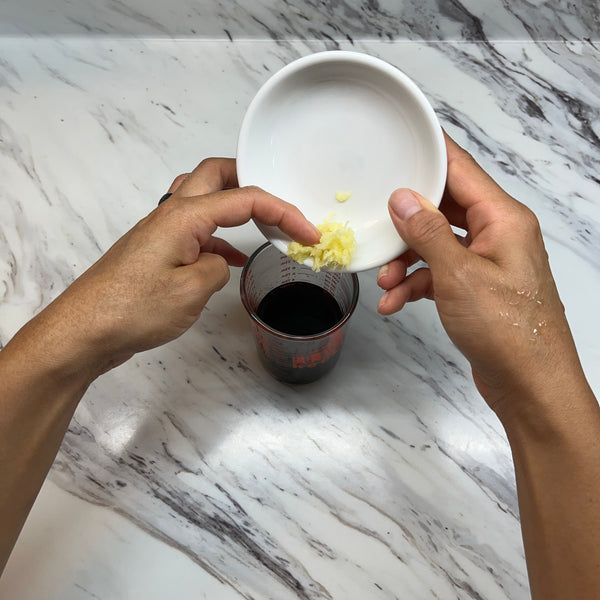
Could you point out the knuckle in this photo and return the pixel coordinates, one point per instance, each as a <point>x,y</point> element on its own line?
<point>251,190</point>
<point>208,167</point>
<point>166,210</point>
<point>530,220</point>
<point>426,225</point>
<point>525,221</point>
<point>209,162</point>
<point>179,180</point>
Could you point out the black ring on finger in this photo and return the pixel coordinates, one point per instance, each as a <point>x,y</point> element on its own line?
<point>165,197</point>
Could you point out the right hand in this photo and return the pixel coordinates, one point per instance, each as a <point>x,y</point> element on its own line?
<point>494,292</point>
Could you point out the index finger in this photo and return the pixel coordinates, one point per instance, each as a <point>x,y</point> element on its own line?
<point>472,199</point>
<point>467,183</point>
<point>455,214</point>
<point>235,207</point>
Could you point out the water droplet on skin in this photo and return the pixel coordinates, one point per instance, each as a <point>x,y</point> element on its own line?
<point>538,329</point>
<point>523,295</point>
<point>529,294</point>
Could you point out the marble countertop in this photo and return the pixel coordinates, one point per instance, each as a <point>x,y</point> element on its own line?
<point>188,472</point>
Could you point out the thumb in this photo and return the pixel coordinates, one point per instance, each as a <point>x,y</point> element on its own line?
<point>423,227</point>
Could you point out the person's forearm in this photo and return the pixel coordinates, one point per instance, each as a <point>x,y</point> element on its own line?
<point>556,452</point>
<point>41,382</point>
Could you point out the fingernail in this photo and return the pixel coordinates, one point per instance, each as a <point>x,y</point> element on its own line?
<point>404,204</point>
<point>382,302</point>
<point>383,271</point>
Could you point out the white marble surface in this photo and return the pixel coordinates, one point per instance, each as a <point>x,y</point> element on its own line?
<point>331,22</point>
<point>188,472</point>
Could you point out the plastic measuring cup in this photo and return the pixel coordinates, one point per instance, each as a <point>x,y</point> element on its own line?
<point>295,358</point>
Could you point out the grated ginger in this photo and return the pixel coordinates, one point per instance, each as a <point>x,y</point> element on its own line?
<point>334,250</point>
<point>342,196</point>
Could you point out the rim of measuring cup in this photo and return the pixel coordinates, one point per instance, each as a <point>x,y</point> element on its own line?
<point>275,332</point>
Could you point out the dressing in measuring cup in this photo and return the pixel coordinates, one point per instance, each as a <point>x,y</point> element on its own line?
<point>299,316</point>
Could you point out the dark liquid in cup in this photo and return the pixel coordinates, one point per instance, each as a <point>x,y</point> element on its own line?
<point>299,308</point>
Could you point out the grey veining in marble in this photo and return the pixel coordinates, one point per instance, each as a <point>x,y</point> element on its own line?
<point>388,479</point>
<point>337,20</point>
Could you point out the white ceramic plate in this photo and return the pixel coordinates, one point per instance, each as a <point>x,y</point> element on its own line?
<point>343,121</point>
